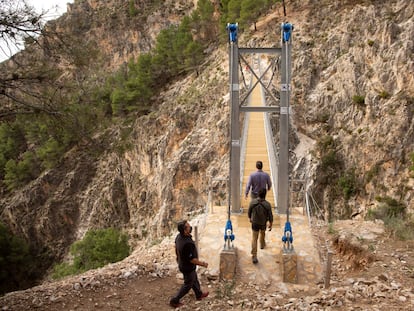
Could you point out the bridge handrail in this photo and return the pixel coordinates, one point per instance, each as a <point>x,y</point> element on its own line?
<point>271,146</point>
<point>273,159</point>
<point>243,142</point>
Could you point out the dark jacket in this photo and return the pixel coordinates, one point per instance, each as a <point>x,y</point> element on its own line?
<point>185,250</point>
<point>260,212</point>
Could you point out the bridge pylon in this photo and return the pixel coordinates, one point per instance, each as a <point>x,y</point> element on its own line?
<point>280,106</point>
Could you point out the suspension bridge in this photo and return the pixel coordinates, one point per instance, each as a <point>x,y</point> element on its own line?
<point>224,236</point>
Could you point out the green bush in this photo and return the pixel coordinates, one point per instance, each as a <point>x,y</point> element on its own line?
<point>393,213</point>
<point>402,229</point>
<point>384,95</point>
<point>348,184</point>
<point>359,100</point>
<point>33,143</point>
<point>96,249</point>
<point>372,172</point>
<point>64,269</point>
<point>391,208</point>
<point>331,163</point>
<point>329,160</point>
<point>326,144</point>
<point>323,117</point>
<point>50,153</point>
<point>132,10</point>
<point>19,173</point>
<point>12,142</point>
<point>15,261</point>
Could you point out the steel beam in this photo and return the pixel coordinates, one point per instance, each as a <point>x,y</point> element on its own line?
<point>260,109</point>
<point>283,172</point>
<point>260,50</point>
<point>235,129</point>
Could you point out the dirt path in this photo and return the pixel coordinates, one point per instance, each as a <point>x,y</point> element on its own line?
<point>369,272</point>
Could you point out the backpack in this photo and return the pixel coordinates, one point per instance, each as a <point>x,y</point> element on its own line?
<point>259,214</point>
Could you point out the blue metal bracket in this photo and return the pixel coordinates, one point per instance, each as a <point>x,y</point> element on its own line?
<point>287,237</point>
<point>232,29</point>
<point>287,29</point>
<point>228,235</point>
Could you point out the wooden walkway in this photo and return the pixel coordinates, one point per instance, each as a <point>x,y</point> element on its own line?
<point>256,147</point>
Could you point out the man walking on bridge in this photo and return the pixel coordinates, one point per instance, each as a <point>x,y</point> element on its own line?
<point>259,213</point>
<point>258,180</point>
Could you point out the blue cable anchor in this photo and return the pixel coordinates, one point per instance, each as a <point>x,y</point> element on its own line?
<point>287,238</point>
<point>232,29</point>
<point>287,31</point>
<point>228,235</point>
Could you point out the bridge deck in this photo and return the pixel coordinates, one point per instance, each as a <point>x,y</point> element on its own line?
<point>256,146</point>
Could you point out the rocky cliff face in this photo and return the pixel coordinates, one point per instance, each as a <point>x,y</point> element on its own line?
<point>341,49</point>
<point>122,29</point>
<point>353,50</point>
<point>164,174</point>
<point>352,86</point>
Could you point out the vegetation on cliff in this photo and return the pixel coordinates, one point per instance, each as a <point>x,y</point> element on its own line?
<point>59,93</point>
<point>97,248</point>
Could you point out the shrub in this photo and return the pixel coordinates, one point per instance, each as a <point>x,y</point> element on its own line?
<point>15,261</point>
<point>329,160</point>
<point>132,9</point>
<point>373,172</point>
<point>12,142</point>
<point>404,230</point>
<point>323,117</point>
<point>348,184</point>
<point>64,269</point>
<point>326,143</point>
<point>331,229</point>
<point>359,100</point>
<point>50,153</point>
<point>391,208</point>
<point>393,213</point>
<point>384,95</point>
<point>19,173</point>
<point>96,249</point>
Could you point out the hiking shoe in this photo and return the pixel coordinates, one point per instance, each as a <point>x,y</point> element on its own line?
<point>176,304</point>
<point>255,260</point>
<point>203,295</point>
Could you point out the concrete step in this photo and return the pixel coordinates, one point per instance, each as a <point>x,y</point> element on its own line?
<point>268,270</point>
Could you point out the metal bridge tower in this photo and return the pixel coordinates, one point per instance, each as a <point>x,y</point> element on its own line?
<point>236,56</point>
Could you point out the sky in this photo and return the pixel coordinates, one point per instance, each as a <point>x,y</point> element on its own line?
<point>55,8</point>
